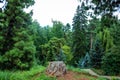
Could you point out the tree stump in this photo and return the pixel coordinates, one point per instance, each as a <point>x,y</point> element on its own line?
<point>56,68</point>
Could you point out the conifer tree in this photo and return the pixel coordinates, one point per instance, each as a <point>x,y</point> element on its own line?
<point>79,34</point>
<point>18,48</point>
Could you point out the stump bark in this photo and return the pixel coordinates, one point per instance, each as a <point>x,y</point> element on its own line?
<point>56,68</point>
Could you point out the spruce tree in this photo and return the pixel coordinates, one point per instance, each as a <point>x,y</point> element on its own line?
<point>17,49</point>
<point>79,34</point>
<point>2,29</point>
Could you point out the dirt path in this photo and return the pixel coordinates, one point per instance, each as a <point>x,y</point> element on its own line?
<point>95,74</point>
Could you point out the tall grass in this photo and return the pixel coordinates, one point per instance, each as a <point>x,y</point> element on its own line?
<point>25,75</point>
<point>5,75</point>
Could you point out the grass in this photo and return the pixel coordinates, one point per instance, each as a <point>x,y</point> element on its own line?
<point>75,69</point>
<point>32,74</point>
<point>5,75</point>
<point>101,72</point>
<point>84,74</point>
<point>98,71</point>
<point>38,73</point>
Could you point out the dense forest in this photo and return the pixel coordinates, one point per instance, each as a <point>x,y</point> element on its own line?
<point>87,43</point>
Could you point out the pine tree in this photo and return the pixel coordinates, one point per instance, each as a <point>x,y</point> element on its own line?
<point>18,48</point>
<point>2,29</point>
<point>79,34</point>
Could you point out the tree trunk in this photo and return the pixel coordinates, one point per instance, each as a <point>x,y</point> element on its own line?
<point>56,68</point>
<point>91,41</point>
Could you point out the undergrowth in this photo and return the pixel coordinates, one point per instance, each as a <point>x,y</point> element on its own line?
<point>38,73</point>
<point>32,74</point>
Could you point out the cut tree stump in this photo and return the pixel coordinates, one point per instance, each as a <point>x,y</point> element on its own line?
<point>56,68</point>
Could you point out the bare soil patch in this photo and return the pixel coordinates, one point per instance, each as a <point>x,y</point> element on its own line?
<point>70,75</point>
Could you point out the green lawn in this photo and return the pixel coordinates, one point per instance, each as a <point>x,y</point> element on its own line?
<point>35,73</point>
<point>38,73</point>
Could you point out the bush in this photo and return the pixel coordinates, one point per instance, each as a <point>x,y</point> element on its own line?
<point>111,60</point>
<point>20,57</point>
<point>52,51</point>
<point>67,51</point>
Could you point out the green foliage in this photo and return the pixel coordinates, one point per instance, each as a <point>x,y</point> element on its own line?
<point>57,29</point>
<point>103,42</point>
<point>24,75</point>
<point>106,38</point>
<point>114,78</point>
<point>67,51</point>
<point>116,33</point>
<point>24,42</point>
<point>5,75</point>
<point>38,73</point>
<point>43,39</point>
<point>41,35</point>
<point>111,60</point>
<point>79,34</point>
<point>67,34</point>
<point>106,7</point>
<point>107,21</point>
<point>2,29</point>
<point>21,56</point>
<point>17,50</point>
<point>53,49</point>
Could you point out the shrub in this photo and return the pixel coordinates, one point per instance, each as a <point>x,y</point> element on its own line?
<point>20,57</point>
<point>52,51</point>
<point>111,60</point>
<point>67,51</point>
